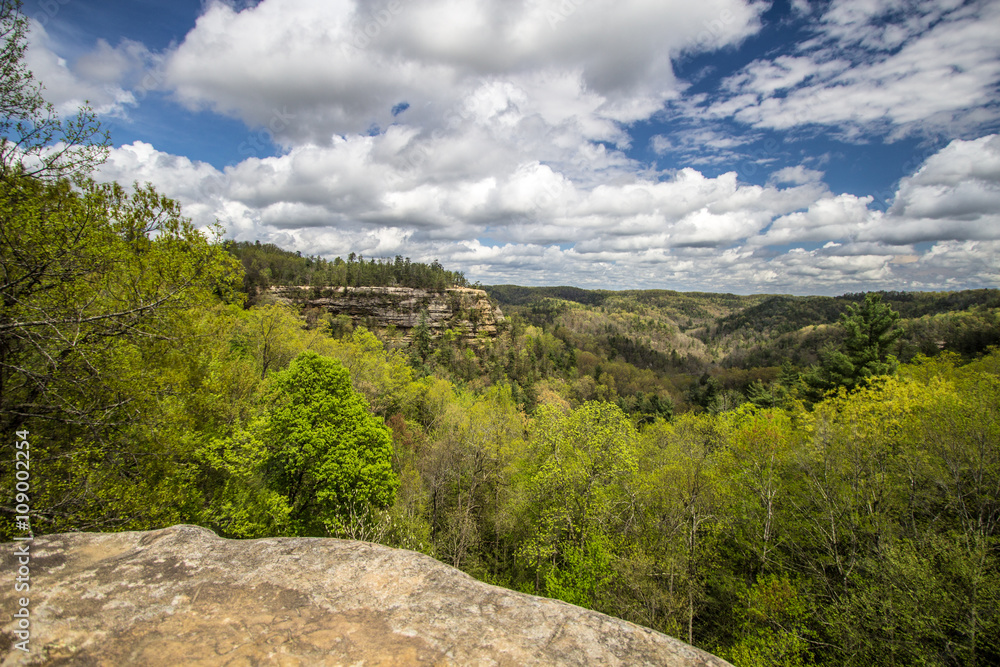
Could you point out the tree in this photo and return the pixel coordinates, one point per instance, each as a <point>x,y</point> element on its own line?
<point>869,332</point>
<point>328,455</point>
<point>33,140</point>
<point>473,443</point>
<point>86,276</point>
<point>95,291</point>
<point>421,339</point>
<point>577,499</point>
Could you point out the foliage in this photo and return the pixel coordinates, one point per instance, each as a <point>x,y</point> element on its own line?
<point>869,331</point>
<point>267,264</point>
<point>619,451</point>
<point>326,455</point>
<point>87,276</point>
<point>33,140</point>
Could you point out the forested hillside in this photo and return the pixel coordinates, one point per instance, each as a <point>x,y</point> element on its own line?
<point>266,264</point>
<point>694,348</point>
<point>779,480</point>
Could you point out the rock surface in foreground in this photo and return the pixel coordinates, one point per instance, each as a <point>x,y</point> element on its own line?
<point>182,596</point>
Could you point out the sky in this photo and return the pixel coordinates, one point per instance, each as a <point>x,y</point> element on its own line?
<point>716,145</point>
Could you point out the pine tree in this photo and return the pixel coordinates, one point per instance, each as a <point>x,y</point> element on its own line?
<point>869,332</point>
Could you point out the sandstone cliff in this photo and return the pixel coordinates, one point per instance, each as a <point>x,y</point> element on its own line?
<point>182,596</point>
<point>466,311</point>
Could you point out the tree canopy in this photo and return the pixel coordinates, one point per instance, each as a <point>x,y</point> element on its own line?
<point>326,454</point>
<point>869,332</point>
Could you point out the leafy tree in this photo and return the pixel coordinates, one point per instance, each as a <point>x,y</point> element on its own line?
<point>466,464</point>
<point>680,504</point>
<point>773,617</point>
<point>33,140</point>
<point>869,332</point>
<point>575,500</point>
<point>328,456</point>
<point>86,276</point>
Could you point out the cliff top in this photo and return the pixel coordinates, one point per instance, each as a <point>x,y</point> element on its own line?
<point>183,596</point>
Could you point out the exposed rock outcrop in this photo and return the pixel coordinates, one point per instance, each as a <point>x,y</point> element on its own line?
<point>464,310</point>
<point>182,596</point>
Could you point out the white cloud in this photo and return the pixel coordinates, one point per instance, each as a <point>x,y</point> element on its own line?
<point>511,162</point>
<point>339,67</point>
<point>531,224</point>
<point>878,66</point>
<point>100,78</point>
<point>840,217</point>
<point>955,195</point>
<point>797,175</point>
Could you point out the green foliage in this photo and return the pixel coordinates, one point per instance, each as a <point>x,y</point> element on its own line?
<point>927,601</point>
<point>266,264</point>
<point>327,455</point>
<point>869,331</point>
<point>240,502</point>
<point>773,619</point>
<point>863,531</point>
<point>88,276</point>
<point>580,465</point>
<point>97,288</point>
<point>584,573</point>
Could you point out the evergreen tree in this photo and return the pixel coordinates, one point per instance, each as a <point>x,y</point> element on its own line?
<point>869,332</point>
<point>422,339</point>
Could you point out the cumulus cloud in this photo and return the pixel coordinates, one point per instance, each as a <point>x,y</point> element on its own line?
<point>955,195</point>
<point>529,223</point>
<point>494,137</point>
<point>340,67</point>
<point>797,175</point>
<point>541,225</point>
<point>101,77</point>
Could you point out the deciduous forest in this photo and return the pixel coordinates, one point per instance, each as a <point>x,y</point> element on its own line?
<point>779,480</point>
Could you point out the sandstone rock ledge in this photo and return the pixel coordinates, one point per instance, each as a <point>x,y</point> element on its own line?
<point>182,596</point>
<point>465,310</point>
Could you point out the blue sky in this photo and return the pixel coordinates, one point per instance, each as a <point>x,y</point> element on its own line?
<point>723,145</point>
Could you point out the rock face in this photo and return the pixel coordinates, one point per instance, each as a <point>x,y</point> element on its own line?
<point>182,596</point>
<point>464,310</point>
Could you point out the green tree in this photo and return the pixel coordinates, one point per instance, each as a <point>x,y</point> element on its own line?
<point>328,455</point>
<point>466,465</point>
<point>870,329</point>
<point>576,500</point>
<point>87,276</point>
<point>772,617</point>
<point>33,140</point>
